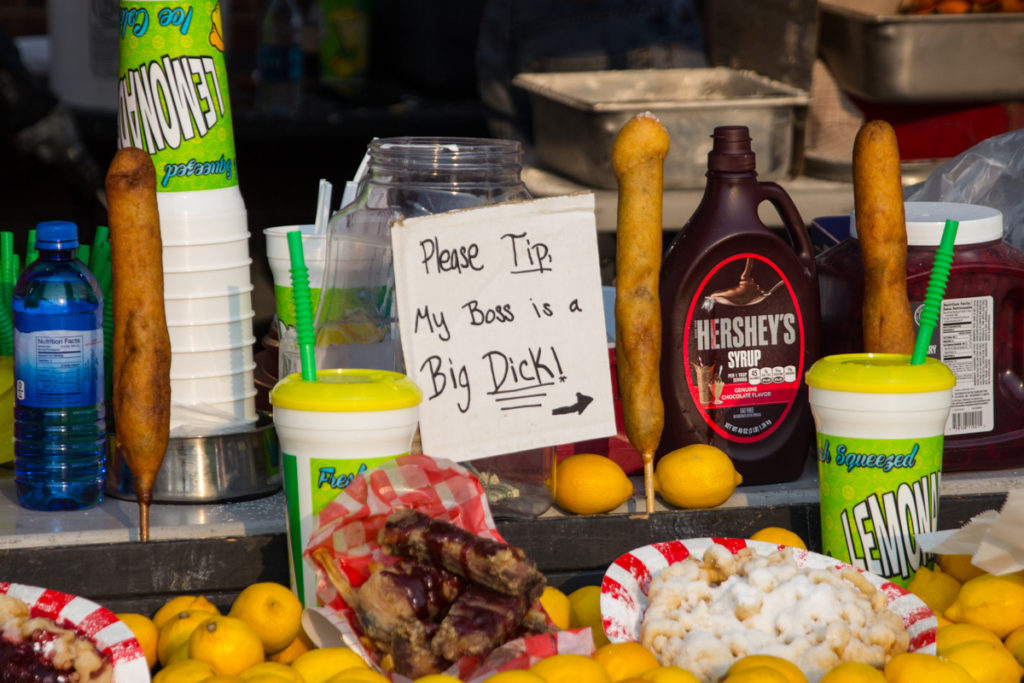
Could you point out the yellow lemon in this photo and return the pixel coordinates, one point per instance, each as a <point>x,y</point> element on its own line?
<point>301,644</point>
<point>281,671</point>
<point>785,667</point>
<point>358,674</point>
<point>145,632</point>
<point>273,610</point>
<point>570,668</point>
<point>556,604</point>
<point>585,610</point>
<point>1015,643</point>
<point>853,672</point>
<point>985,661</point>
<point>990,601</point>
<point>180,604</point>
<point>588,484</point>
<point>177,629</point>
<point>669,674</point>
<point>228,644</point>
<point>959,567</point>
<point>178,654</point>
<point>318,665</point>
<point>437,678</point>
<point>779,536</point>
<point>696,476</point>
<point>954,634</point>
<point>935,588</point>
<point>187,671</point>
<point>224,678</point>
<point>756,674</point>
<point>916,667</point>
<point>625,660</point>
<point>266,678</point>
<point>514,676</point>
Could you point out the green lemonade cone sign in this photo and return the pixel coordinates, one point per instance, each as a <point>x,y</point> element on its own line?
<point>173,92</point>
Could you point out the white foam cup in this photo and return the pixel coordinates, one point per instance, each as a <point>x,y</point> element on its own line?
<point>220,308</point>
<point>185,364</point>
<point>205,255</point>
<point>231,277</point>
<point>210,336</point>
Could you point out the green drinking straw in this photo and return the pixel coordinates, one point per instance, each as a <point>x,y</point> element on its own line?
<point>934,293</point>
<point>303,306</point>
<point>30,250</point>
<point>8,276</point>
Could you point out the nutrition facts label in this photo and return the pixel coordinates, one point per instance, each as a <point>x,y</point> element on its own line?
<point>964,344</point>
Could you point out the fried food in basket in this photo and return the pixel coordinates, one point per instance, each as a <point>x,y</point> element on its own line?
<point>449,594</point>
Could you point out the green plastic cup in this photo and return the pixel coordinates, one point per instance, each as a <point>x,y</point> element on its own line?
<point>880,423</point>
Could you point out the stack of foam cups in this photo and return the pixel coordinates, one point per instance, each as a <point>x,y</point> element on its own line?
<point>179,64</point>
<point>208,301</point>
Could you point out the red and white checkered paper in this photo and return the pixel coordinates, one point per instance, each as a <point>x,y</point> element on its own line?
<point>111,636</point>
<point>348,528</point>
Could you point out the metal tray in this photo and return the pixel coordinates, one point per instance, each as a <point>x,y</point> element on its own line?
<point>879,55</point>
<point>207,469</point>
<point>576,117</point>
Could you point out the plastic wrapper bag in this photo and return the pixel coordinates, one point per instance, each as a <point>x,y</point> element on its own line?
<point>991,173</point>
<point>348,527</point>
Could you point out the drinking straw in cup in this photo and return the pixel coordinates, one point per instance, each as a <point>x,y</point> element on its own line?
<point>303,306</point>
<point>934,292</point>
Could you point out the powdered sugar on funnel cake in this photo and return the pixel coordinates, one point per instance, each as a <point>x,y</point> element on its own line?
<point>702,604</point>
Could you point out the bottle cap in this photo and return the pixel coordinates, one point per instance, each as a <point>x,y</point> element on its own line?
<point>56,235</point>
<point>731,151</point>
<point>926,220</point>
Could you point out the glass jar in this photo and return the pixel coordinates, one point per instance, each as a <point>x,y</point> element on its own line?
<point>356,321</point>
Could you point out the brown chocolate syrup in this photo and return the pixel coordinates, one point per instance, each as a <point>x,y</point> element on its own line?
<point>740,322</point>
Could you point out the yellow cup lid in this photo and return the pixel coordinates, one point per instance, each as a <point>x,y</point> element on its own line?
<point>346,390</point>
<point>879,373</point>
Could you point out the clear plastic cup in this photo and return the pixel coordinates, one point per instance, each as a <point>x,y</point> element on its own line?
<point>219,388</point>
<point>314,252</point>
<point>879,423</point>
<point>330,430</point>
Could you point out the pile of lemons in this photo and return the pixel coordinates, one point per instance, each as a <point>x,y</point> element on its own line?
<point>259,640</point>
<point>981,622</point>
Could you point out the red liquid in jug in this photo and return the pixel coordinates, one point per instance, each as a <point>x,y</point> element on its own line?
<point>980,335</point>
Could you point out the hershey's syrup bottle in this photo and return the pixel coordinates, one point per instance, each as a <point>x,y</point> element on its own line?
<point>740,322</point>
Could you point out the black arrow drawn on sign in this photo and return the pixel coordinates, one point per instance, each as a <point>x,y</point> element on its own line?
<point>582,401</point>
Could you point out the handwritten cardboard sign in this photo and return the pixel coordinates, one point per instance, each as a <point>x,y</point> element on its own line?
<point>502,326</point>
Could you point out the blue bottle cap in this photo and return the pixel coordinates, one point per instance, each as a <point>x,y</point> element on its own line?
<point>56,235</point>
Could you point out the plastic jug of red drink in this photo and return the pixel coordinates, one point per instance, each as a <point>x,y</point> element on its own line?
<point>740,322</point>
<point>980,334</point>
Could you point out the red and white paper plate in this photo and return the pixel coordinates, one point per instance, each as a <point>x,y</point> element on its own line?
<point>627,581</point>
<point>111,636</point>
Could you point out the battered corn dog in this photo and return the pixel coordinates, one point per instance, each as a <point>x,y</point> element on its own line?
<point>638,156</point>
<point>142,347</point>
<point>882,234</point>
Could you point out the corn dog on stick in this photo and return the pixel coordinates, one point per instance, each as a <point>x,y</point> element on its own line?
<point>638,156</point>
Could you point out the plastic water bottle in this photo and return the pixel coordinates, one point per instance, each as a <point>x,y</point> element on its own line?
<point>59,424</point>
<point>279,57</point>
